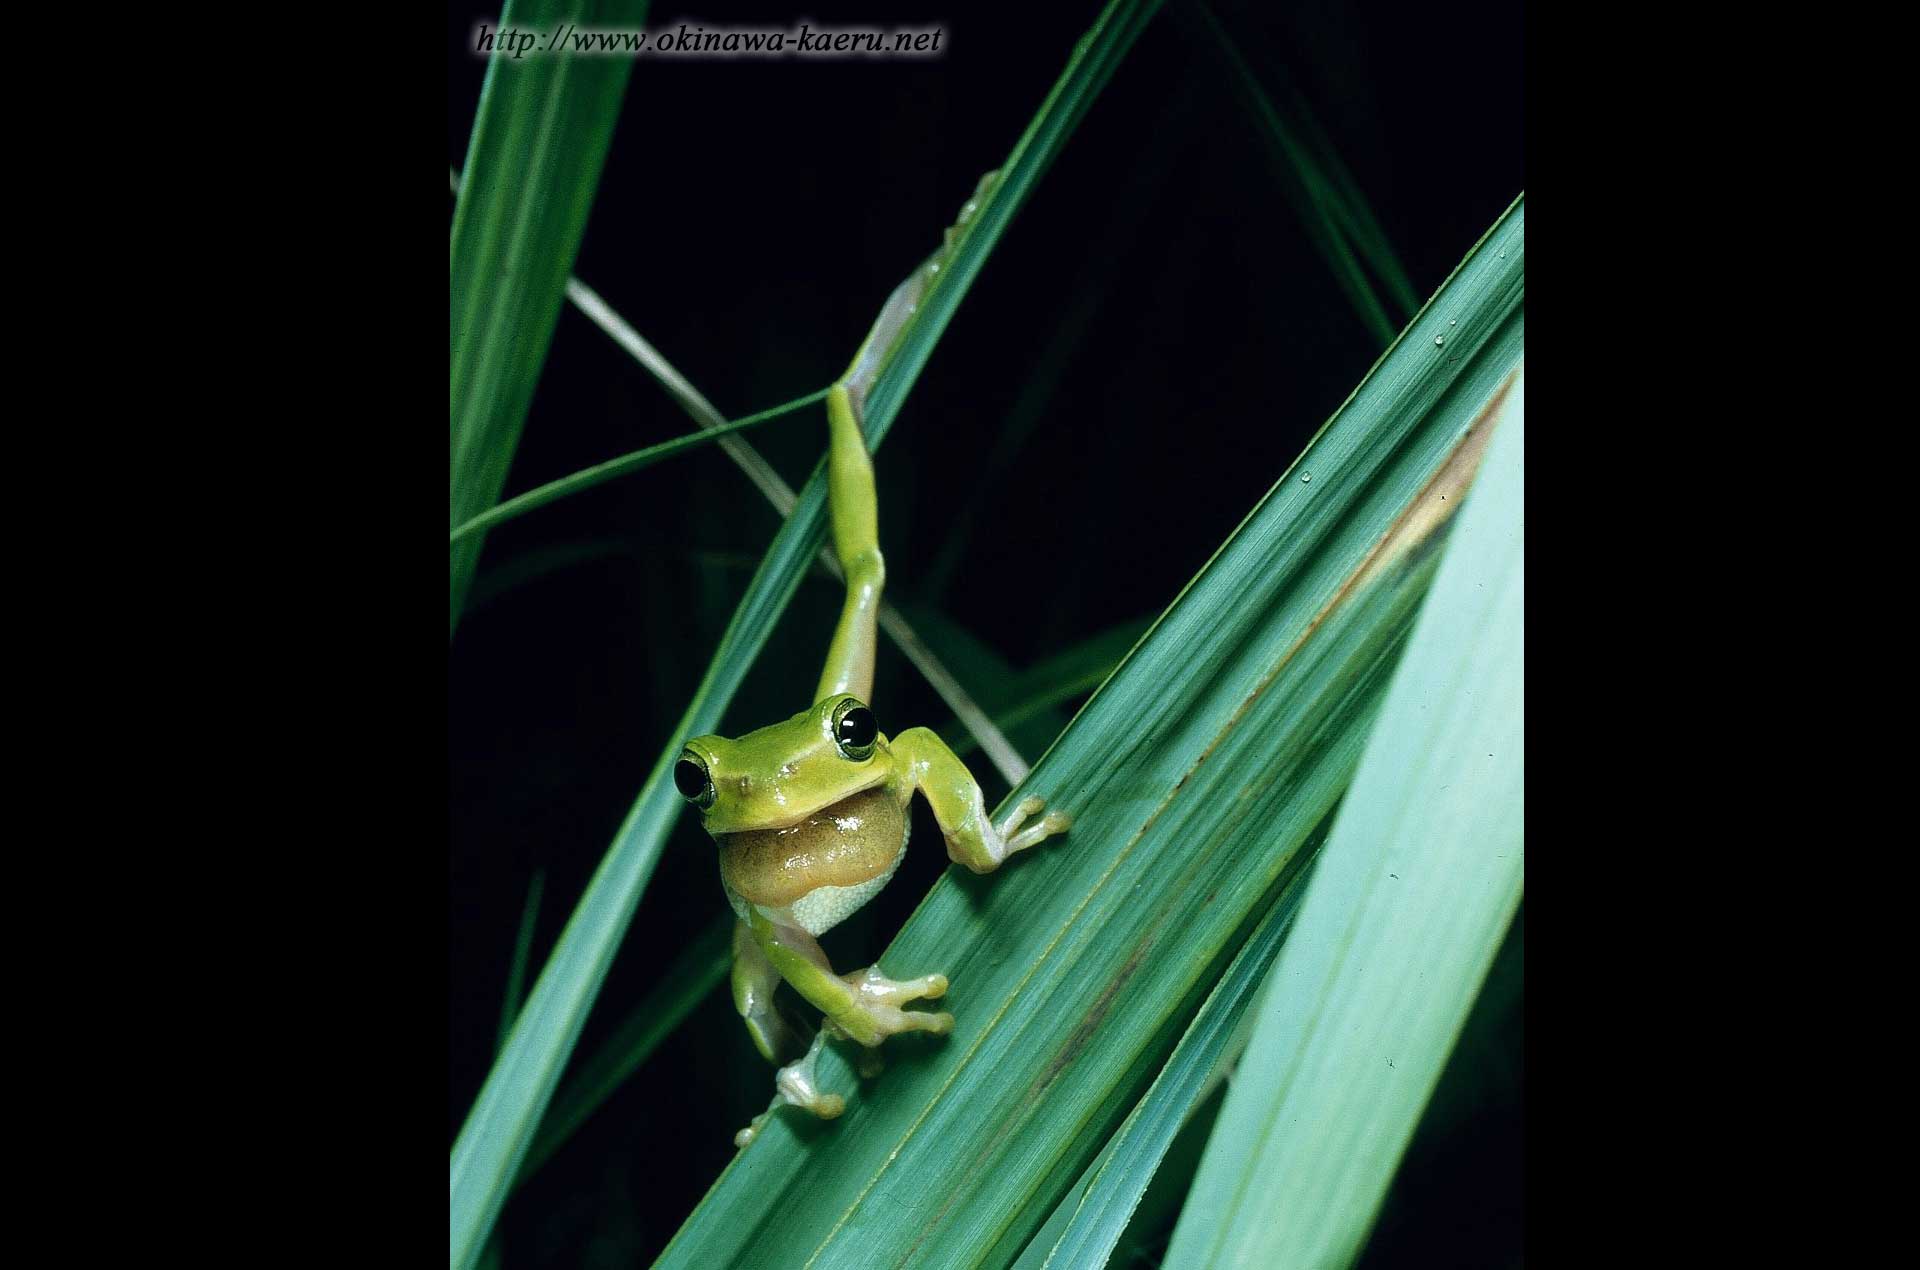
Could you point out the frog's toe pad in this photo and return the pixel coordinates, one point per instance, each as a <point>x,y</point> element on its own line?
<point>1018,816</point>
<point>752,1131</point>
<point>797,1089</point>
<point>1054,822</point>
<point>892,1022</point>
<point>875,988</point>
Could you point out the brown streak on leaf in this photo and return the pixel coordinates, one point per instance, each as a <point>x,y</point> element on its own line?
<point>1095,1015</point>
<point>1438,501</point>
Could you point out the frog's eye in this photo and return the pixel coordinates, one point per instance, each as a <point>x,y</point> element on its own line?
<point>854,730</point>
<point>691,779</point>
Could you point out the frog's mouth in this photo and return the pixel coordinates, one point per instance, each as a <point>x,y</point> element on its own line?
<point>843,844</point>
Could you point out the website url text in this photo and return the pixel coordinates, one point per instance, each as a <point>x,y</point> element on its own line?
<point>688,40</point>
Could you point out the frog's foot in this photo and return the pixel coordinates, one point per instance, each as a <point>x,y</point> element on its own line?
<point>1018,839</point>
<point>879,999</point>
<point>798,1086</point>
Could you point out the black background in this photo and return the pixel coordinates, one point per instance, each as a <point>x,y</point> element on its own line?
<point>1158,288</point>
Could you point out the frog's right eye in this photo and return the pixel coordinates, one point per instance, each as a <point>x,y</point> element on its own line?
<point>691,779</point>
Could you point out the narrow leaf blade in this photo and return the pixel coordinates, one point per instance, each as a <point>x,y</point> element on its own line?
<point>533,166</point>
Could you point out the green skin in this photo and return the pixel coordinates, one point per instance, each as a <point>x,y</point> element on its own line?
<point>802,772</point>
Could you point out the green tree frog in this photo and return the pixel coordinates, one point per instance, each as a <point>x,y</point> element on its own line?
<point>811,815</point>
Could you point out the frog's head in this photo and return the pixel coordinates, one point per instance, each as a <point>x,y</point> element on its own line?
<point>780,775</point>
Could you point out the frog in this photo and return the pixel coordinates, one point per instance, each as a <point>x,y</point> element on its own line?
<point>811,816</point>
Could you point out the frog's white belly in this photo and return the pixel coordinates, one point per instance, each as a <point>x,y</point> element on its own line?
<point>824,907</point>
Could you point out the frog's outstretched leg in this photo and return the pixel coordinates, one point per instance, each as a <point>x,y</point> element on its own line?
<point>850,495</point>
<point>754,983</point>
<point>972,838</point>
<point>856,540</point>
<point>865,1005</point>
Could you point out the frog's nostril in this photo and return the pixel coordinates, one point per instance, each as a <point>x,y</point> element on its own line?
<point>745,784</point>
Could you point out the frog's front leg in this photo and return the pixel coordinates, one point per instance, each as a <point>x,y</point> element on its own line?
<point>959,805</point>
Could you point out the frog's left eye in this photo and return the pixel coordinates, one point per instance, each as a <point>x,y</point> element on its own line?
<point>854,730</point>
<point>691,779</point>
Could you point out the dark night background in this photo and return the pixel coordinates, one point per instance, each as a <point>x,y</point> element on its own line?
<point>1156,307</point>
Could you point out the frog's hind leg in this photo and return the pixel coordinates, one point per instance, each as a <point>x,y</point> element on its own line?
<point>797,1085</point>
<point>866,1005</point>
<point>856,541</point>
<point>863,1006</point>
<point>754,983</point>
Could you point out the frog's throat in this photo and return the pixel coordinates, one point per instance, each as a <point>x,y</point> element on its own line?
<point>845,844</point>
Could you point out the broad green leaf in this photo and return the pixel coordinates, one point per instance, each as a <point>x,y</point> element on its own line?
<point>533,165</point>
<point>495,1137</point>
<point>1197,777</point>
<point>1417,884</point>
<point>1086,1226</point>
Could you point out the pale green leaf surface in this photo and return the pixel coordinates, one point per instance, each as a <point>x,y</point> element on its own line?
<point>1196,776</point>
<point>1416,886</point>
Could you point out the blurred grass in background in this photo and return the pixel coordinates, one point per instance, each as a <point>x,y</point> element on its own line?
<point>1183,302</point>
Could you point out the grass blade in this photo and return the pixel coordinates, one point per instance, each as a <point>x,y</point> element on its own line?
<point>1308,188</point>
<point>501,1125</point>
<point>600,473</point>
<point>522,953</point>
<point>533,165</point>
<point>687,981</point>
<point>1354,213</point>
<point>1197,777</point>
<point>1419,880</point>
